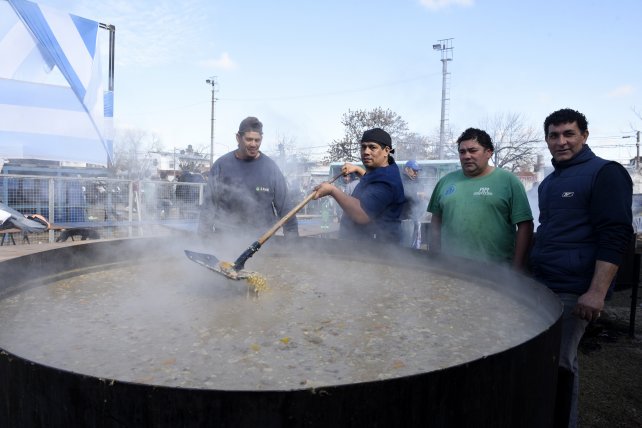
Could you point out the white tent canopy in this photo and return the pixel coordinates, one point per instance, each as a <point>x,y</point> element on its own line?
<point>52,102</point>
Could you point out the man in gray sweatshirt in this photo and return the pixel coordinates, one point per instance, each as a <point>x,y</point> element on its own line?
<point>246,191</point>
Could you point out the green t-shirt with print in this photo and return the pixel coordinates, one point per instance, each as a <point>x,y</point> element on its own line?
<point>479,215</point>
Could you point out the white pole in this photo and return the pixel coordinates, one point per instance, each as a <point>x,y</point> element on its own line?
<point>212,81</point>
<point>445,47</point>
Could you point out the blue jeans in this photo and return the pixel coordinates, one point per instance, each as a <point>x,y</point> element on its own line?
<point>411,233</point>
<point>572,331</point>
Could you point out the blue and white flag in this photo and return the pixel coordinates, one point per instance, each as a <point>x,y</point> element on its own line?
<point>52,102</point>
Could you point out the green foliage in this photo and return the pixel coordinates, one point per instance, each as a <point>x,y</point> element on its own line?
<point>355,123</point>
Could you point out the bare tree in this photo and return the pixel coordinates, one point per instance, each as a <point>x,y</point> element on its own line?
<point>288,150</point>
<point>131,152</point>
<point>286,146</point>
<point>416,146</point>
<point>289,158</point>
<point>355,123</point>
<point>516,143</point>
<point>637,114</point>
<point>450,144</point>
<point>191,160</point>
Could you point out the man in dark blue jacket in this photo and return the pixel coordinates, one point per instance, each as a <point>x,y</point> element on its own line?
<point>585,228</point>
<point>374,208</point>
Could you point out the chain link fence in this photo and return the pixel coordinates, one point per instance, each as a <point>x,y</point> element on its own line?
<point>116,208</point>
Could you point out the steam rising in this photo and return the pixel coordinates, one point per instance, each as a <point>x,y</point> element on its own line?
<point>327,319</point>
<point>240,213</point>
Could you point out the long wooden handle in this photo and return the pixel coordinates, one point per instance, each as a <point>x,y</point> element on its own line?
<point>267,235</point>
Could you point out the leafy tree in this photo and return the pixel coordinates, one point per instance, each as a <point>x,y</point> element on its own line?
<point>356,122</point>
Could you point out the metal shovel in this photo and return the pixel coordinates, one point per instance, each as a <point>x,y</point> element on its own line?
<point>236,270</point>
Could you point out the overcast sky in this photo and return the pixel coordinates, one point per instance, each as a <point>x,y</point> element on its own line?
<point>300,65</point>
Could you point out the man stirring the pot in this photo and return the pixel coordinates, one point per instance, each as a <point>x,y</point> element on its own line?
<point>585,228</point>
<point>372,211</point>
<point>480,212</point>
<point>246,191</point>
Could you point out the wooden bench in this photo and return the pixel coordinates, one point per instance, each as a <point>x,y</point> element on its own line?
<point>8,233</point>
<point>84,233</point>
<point>88,229</point>
<point>91,229</point>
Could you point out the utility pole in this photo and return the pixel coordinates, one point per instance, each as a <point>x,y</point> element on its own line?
<point>637,149</point>
<point>174,162</point>
<point>212,81</point>
<point>446,48</point>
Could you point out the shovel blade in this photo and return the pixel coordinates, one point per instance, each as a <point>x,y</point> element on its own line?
<point>212,263</point>
<point>206,260</point>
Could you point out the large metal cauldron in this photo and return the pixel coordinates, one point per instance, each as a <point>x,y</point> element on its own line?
<point>514,387</point>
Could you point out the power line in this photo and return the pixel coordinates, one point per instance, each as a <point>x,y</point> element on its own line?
<point>605,137</point>
<point>613,146</point>
<point>327,94</point>
<point>288,97</point>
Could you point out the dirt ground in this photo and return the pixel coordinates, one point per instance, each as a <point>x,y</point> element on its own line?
<point>611,368</point>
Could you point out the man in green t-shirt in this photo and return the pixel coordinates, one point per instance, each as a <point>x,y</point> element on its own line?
<point>480,212</point>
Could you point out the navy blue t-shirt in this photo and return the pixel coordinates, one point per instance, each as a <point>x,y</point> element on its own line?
<point>381,194</point>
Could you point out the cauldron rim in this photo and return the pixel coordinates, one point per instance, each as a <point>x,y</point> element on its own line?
<point>464,376</point>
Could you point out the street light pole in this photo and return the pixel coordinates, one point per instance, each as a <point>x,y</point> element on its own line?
<point>212,81</point>
<point>446,48</point>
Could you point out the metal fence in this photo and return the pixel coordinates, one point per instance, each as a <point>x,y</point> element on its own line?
<point>103,203</point>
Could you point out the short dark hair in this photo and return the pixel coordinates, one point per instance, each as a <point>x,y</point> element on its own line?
<point>566,115</point>
<point>250,124</point>
<point>480,135</point>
